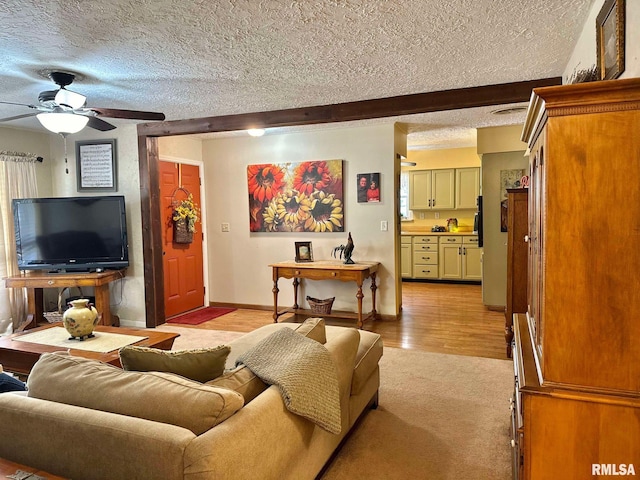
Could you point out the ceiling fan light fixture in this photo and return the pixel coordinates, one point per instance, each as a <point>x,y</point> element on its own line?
<point>70,99</point>
<point>62,122</point>
<point>256,132</point>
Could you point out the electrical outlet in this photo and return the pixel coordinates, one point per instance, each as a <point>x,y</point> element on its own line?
<point>421,215</point>
<point>384,226</point>
<point>225,227</point>
<point>437,215</point>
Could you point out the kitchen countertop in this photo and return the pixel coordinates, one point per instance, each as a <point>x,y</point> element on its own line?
<point>429,232</point>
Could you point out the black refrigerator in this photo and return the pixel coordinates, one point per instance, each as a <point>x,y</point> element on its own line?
<point>477,222</point>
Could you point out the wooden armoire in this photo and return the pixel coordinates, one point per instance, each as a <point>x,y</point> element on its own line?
<point>576,408</point>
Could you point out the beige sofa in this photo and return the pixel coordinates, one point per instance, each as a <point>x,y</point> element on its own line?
<point>260,440</point>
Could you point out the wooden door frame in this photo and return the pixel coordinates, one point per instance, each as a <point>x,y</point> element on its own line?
<point>148,155</point>
<point>203,217</point>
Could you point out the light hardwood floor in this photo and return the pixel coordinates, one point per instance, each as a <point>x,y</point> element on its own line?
<point>436,317</point>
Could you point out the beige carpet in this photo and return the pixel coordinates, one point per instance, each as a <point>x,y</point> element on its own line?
<point>102,342</point>
<point>441,417</point>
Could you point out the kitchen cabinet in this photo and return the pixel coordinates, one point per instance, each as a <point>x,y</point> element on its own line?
<point>450,267</point>
<point>580,401</point>
<point>432,189</point>
<point>425,256</point>
<point>471,259</point>
<point>460,258</point>
<point>406,262</point>
<point>467,188</point>
<point>444,257</point>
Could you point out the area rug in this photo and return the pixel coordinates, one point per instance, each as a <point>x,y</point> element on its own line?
<point>200,316</point>
<point>197,337</point>
<point>102,342</point>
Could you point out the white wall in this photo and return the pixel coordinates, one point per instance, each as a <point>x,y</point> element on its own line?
<point>127,295</point>
<point>239,271</point>
<point>500,149</point>
<point>494,280</point>
<point>584,53</point>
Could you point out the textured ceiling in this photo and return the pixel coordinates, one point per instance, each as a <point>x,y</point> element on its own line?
<point>205,58</point>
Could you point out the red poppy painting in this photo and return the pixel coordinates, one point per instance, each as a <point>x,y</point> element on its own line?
<point>296,197</point>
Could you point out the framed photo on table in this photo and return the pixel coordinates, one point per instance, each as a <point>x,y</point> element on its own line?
<point>304,252</point>
<point>610,31</point>
<point>96,164</point>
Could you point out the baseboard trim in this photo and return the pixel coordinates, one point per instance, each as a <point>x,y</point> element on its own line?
<point>249,306</point>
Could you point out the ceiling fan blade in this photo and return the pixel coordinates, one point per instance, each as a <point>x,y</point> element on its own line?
<point>21,104</point>
<point>129,114</point>
<point>99,124</point>
<point>17,117</point>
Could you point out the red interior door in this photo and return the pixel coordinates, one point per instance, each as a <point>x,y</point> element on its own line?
<point>182,262</point>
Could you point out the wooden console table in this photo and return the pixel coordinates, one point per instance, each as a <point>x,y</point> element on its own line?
<point>35,282</point>
<point>326,270</point>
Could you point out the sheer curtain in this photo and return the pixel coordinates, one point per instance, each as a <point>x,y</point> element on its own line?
<point>17,180</point>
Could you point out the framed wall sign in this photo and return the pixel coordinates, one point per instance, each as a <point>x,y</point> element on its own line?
<point>96,165</point>
<point>610,39</point>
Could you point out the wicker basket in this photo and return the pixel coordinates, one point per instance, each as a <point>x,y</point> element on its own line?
<point>321,306</point>
<point>181,233</point>
<point>56,315</point>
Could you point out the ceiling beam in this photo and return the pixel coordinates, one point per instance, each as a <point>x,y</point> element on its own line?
<point>458,98</point>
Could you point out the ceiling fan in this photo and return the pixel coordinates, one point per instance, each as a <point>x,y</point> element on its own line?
<point>63,111</point>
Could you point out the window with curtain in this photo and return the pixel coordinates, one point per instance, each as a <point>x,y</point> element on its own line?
<point>17,180</point>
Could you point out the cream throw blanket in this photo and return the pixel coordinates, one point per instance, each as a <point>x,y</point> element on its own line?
<point>303,371</point>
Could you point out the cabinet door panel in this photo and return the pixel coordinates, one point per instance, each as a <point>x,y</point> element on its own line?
<point>467,188</point>
<point>450,262</point>
<point>406,261</point>
<point>471,263</point>
<point>443,189</point>
<point>420,190</point>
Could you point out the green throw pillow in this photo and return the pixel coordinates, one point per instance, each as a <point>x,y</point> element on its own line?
<point>201,364</point>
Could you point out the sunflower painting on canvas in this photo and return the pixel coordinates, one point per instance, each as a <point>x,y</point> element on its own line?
<point>296,197</point>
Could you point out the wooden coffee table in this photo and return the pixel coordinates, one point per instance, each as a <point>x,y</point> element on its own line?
<point>10,468</point>
<point>19,357</point>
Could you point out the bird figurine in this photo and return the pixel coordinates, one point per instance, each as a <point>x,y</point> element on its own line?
<point>345,251</point>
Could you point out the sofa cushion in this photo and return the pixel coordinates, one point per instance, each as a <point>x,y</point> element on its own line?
<point>201,364</point>
<point>241,380</point>
<point>313,328</point>
<point>157,396</point>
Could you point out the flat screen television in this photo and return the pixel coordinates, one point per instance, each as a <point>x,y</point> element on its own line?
<point>71,234</point>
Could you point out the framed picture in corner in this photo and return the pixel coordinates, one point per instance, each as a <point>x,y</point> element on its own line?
<point>610,31</point>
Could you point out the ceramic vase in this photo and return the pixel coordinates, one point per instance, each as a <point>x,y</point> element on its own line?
<point>80,319</point>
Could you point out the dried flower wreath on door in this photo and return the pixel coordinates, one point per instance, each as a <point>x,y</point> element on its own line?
<point>185,215</point>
